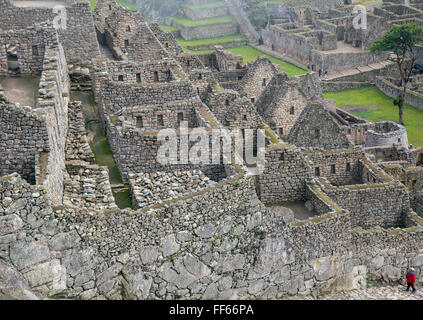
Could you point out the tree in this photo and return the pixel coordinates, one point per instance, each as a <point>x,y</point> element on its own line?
<point>401,41</point>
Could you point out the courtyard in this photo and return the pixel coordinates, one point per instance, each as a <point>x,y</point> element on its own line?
<point>371,104</point>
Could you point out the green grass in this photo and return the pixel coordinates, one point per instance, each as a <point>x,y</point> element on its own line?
<point>209,5</point>
<point>131,6</point>
<point>384,109</point>
<point>208,41</point>
<point>166,28</point>
<point>251,54</point>
<point>100,146</point>
<point>204,22</point>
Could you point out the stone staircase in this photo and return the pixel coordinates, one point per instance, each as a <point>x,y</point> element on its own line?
<point>246,28</point>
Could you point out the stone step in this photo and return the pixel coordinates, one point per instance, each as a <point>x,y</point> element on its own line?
<point>354,71</point>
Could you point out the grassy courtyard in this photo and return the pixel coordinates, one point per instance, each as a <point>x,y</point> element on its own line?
<point>211,41</point>
<point>184,21</point>
<point>210,5</point>
<point>251,54</point>
<point>374,105</point>
<point>131,6</point>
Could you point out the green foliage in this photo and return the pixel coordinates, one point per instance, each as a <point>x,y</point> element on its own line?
<point>400,40</point>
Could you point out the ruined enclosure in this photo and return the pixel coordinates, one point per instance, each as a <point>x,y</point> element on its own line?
<point>21,89</point>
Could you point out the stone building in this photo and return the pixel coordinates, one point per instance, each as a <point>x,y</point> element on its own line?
<point>258,76</point>
<point>126,33</point>
<point>281,103</point>
<point>77,36</point>
<point>33,137</point>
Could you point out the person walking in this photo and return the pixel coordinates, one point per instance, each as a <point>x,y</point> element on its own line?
<point>411,279</point>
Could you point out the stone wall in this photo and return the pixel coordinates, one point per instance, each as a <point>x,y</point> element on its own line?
<point>208,246</point>
<point>173,185</point>
<point>79,37</point>
<point>77,147</point>
<point>224,248</point>
<point>316,128</point>
<point>34,139</point>
<point>167,40</point>
<point>279,9</point>
<point>284,176</point>
<point>127,34</point>
<point>208,31</point>
<point>206,13</point>
<point>281,103</point>
<point>412,98</point>
<point>386,133</point>
<point>87,185</point>
<point>258,76</point>
<point>388,254</point>
<point>30,48</point>
<point>15,154</point>
<point>246,27</point>
<point>122,95</point>
<point>340,168</point>
<point>381,204</point>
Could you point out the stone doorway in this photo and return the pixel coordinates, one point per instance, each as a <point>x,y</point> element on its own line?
<point>12,59</point>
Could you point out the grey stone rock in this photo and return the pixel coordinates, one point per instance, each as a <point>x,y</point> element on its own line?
<point>25,254</point>
<point>274,254</point>
<point>205,231</point>
<point>324,268</point>
<point>211,292</point>
<point>139,285</point>
<point>231,263</point>
<point>417,261</point>
<point>169,245</point>
<point>256,286</point>
<point>391,273</point>
<point>49,274</point>
<point>183,236</point>
<point>64,241</point>
<point>108,274</point>
<point>149,254</point>
<point>196,267</point>
<point>13,285</point>
<point>10,224</point>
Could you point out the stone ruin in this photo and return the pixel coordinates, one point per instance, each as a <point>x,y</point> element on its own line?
<point>195,231</point>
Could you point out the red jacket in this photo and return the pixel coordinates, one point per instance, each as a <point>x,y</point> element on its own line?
<point>411,277</point>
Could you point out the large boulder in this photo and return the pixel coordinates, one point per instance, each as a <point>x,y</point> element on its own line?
<point>13,285</point>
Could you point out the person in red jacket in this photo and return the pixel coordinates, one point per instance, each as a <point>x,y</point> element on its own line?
<point>411,279</point>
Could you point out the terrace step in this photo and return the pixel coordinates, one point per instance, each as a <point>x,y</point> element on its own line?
<point>354,71</point>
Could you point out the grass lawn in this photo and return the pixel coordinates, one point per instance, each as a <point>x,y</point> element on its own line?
<point>207,41</point>
<point>203,22</point>
<point>382,108</point>
<point>166,28</point>
<point>128,5</point>
<point>251,54</point>
<point>209,5</point>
